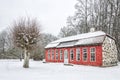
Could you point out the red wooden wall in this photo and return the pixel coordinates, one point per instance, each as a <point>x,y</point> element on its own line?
<point>97,62</point>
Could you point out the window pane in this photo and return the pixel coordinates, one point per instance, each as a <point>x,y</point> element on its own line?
<point>78,54</point>
<point>92,53</point>
<point>84,54</point>
<point>56,54</point>
<point>53,54</point>
<point>48,54</point>
<point>92,49</point>
<point>61,55</point>
<point>71,54</point>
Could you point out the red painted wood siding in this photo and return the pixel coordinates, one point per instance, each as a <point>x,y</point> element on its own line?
<point>97,62</point>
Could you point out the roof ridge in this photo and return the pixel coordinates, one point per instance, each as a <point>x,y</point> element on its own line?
<point>76,36</point>
<point>90,37</point>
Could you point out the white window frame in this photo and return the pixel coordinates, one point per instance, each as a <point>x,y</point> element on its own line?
<point>91,53</point>
<point>53,56</point>
<point>56,54</point>
<point>48,56</point>
<point>71,53</point>
<point>83,54</point>
<point>61,54</point>
<point>77,52</point>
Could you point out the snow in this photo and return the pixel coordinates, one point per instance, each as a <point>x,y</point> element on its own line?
<point>52,45</point>
<point>93,40</point>
<point>12,70</point>
<point>66,44</point>
<point>81,37</point>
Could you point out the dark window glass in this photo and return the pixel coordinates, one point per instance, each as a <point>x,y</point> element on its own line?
<point>52,54</point>
<point>84,54</point>
<point>56,54</point>
<point>78,54</point>
<point>92,54</point>
<point>61,54</point>
<point>71,54</point>
<point>48,54</point>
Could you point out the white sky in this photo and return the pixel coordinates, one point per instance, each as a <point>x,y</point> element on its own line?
<point>52,14</point>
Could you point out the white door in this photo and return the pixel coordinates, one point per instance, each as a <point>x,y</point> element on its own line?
<point>65,57</point>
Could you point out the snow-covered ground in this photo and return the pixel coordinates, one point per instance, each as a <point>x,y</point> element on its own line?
<point>13,70</point>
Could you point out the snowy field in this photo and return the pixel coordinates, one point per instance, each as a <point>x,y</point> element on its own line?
<point>13,70</point>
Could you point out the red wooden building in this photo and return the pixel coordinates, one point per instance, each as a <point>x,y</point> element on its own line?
<point>93,48</point>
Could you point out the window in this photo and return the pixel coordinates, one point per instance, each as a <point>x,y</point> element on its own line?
<point>77,54</point>
<point>61,54</point>
<point>84,54</point>
<point>92,54</point>
<point>48,54</point>
<point>71,54</point>
<point>66,54</point>
<point>56,54</point>
<point>53,54</point>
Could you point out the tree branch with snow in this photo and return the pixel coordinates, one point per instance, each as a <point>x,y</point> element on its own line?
<point>25,35</point>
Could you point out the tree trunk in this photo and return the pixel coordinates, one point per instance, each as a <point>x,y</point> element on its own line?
<point>26,59</point>
<point>21,57</point>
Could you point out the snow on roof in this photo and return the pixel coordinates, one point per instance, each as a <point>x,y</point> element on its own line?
<point>93,40</point>
<point>86,38</point>
<point>67,44</point>
<point>51,45</point>
<point>80,36</point>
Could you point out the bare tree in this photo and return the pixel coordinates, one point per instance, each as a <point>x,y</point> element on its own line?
<point>3,41</point>
<point>102,14</point>
<point>47,38</point>
<point>67,31</point>
<point>82,14</point>
<point>25,33</point>
<point>40,50</point>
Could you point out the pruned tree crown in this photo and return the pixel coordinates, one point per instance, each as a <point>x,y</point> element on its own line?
<point>26,33</point>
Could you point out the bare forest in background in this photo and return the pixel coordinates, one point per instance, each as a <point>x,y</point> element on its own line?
<point>103,15</point>
<point>12,40</point>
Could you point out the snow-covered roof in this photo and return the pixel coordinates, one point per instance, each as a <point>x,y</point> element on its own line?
<point>51,45</point>
<point>67,44</point>
<point>81,39</point>
<point>93,40</point>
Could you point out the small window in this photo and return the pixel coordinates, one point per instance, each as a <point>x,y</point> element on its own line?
<point>56,54</point>
<point>61,54</point>
<point>84,54</point>
<point>77,54</point>
<point>48,54</point>
<point>71,54</point>
<point>92,54</point>
<point>52,54</point>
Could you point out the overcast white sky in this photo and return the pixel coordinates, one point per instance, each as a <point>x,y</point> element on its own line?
<point>52,14</point>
